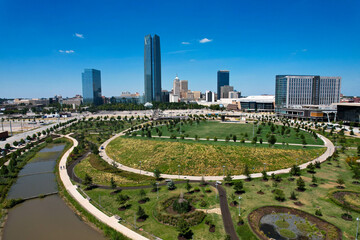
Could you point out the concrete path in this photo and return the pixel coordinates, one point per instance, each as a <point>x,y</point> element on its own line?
<point>330,148</point>
<point>72,190</point>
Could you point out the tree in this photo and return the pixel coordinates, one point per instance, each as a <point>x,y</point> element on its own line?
<point>188,186</point>
<point>314,180</point>
<point>171,185</point>
<point>112,183</point>
<point>183,228</point>
<point>311,168</point>
<point>300,184</point>
<point>4,171</point>
<point>234,138</point>
<point>247,172</point>
<point>264,175</point>
<point>295,171</point>
<point>141,213</point>
<point>239,187</point>
<point>341,182</point>
<point>228,179</point>
<point>7,146</point>
<point>87,180</point>
<point>279,195</point>
<point>293,195</point>
<point>15,143</point>
<point>272,140</point>
<point>122,199</point>
<point>142,193</point>
<point>157,174</point>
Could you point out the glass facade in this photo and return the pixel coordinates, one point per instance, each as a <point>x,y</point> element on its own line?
<point>222,80</point>
<point>91,86</point>
<point>152,69</point>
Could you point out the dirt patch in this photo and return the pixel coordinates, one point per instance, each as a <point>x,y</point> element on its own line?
<point>298,203</point>
<point>233,204</point>
<point>260,192</point>
<point>213,210</point>
<point>212,228</point>
<point>332,232</point>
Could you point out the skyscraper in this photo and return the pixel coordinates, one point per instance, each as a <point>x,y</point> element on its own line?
<point>224,91</point>
<point>91,86</point>
<point>184,88</point>
<point>222,80</point>
<point>176,86</point>
<point>297,90</point>
<point>152,68</point>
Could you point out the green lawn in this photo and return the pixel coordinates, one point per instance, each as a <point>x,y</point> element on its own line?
<point>220,130</point>
<point>312,198</point>
<point>151,225</point>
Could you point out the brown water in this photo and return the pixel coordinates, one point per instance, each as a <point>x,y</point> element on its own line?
<point>46,218</point>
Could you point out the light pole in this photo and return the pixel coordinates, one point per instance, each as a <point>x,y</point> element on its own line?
<point>140,167</point>
<point>357,229</point>
<point>296,161</point>
<point>157,190</point>
<point>239,207</point>
<point>179,171</point>
<point>224,170</point>
<point>264,166</point>
<point>216,190</point>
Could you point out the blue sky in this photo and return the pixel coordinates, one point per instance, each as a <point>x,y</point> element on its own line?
<point>45,45</point>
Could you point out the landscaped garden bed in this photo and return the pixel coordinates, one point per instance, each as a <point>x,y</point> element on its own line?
<point>290,223</point>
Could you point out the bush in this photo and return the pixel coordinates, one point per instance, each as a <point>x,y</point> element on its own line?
<point>279,195</point>
<point>300,184</point>
<point>318,212</point>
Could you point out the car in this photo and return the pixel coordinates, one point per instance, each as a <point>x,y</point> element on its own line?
<point>218,182</point>
<point>102,148</point>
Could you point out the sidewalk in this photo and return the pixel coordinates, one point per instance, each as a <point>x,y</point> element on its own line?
<point>72,190</point>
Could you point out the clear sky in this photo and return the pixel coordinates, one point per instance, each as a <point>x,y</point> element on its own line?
<point>45,45</point>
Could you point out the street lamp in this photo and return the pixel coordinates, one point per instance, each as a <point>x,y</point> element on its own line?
<point>357,229</point>
<point>216,184</point>
<point>264,166</point>
<point>224,170</point>
<point>157,190</point>
<point>239,206</point>
<point>179,171</point>
<point>140,167</point>
<point>296,161</point>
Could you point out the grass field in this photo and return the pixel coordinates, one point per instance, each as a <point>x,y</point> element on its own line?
<point>101,172</point>
<point>151,225</point>
<point>220,130</point>
<point>313,197</point>
<point>203,159</point>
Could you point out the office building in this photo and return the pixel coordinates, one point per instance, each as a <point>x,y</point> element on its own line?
<point>224,91</point>
<point>197,95</point>
<point>298,90</point>
<point>234,94</point>
<point>173,98</point>
<point>152,69</point>
<point>91,87</point>
<point>223,77</point>
<point>165,96</point>
<point>210,96</point>
<point>176,86</point>
<point>349,112</point>
<point>183,88</point>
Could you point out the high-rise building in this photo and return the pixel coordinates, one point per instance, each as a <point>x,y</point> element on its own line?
<point>183,88</point>
<point>297,90</point>
<point>91,87</point>
<point>209,96</point>
<point>224,91</point>
<point>152,68</point>
<point>223,77</point>
<point>197,95</point>
<point>234,94</point>
<point>176,86</point>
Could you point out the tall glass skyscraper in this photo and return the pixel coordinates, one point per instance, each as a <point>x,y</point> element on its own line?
<point>91,86</point>
<point>152,68</point>
<point>223,77</point>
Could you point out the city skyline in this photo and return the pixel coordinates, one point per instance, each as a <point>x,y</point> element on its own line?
<point>247,39</point>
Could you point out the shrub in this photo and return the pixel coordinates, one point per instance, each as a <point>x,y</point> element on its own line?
<point>300,184</point>
<point>318,212</point>
<point>279,195</point>
<point>171,185</point>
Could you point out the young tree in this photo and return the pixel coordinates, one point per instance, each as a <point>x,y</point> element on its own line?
<point>141,213</point>
<point>295,171</point>
<point>341,182</point>
<point>300,184</point>
<point>88,180</point>
<point>314,180</point>
<point>112,183</point>
<point>272,140</point>
<point>239,187</point>
<point>293,195</point>
<point>264,175</point>
<point>234,138</point>
<point>122,199</point>
<point>157,174</point>
<point>188,186</point>
<point>183,228</point>
<point>228,179</point>
<point>171,185</point>
<point>279,195</point>
<point>247,172</point>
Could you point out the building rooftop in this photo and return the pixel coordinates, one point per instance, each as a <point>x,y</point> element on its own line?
<point>348,104</point>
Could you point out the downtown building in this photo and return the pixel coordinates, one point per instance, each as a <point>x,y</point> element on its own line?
<point>91,87</point>
<point>294,93</point>
<point>152,69</point>
<point>223,77</point>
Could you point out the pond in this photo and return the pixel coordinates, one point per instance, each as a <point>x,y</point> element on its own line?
<point>283,226</point>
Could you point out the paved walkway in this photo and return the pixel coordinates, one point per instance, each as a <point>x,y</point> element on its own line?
<point>330,148</point>
<point>72,190</point>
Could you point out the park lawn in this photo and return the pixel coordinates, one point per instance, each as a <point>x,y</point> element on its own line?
<point>312,198</point>
<point>151,225</point>
<point>203,159</point>
<point>220,130</point>
<point>101,173</point>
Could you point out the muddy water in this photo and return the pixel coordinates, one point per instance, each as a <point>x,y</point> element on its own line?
<point>46,218</point>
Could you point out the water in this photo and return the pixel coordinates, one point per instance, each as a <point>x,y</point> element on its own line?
<point>44,219</point>
<point>49,217</point>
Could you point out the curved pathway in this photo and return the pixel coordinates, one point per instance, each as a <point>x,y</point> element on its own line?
<point>224,207</point>
<point>330,148</point>
<point>72,190</point>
